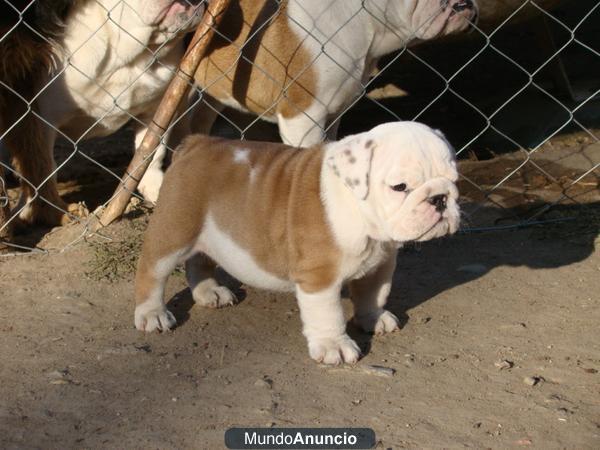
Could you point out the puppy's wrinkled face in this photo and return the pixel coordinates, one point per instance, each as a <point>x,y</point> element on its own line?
<point>404,176</point>
<point>413,191</point>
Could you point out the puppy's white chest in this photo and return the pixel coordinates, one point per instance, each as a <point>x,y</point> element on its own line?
<point>235,260</point>
<point>374,254</point>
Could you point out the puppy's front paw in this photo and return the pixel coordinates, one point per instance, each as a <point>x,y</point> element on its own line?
<point>158,318</point>
<point>379,322</point>
<point>334,350</point>
<point>208,293</point>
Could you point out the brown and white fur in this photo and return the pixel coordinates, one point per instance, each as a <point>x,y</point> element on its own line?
<point>301,63</point>
<point>113,60</point>
<point>303,220</point>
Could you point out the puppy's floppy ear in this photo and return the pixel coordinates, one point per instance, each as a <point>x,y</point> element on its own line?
<point>350,160</point>
<point>445,139</point>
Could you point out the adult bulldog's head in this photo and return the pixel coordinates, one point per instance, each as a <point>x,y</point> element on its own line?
<point>402,176</point>
<point>427,19</point>
<point>154,21</point>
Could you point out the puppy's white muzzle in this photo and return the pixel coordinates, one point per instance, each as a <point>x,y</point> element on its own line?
<point>428,212</point>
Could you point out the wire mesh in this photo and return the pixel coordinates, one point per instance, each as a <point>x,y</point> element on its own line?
<point>516,93</point>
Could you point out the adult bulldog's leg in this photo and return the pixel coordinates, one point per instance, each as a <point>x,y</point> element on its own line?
<point>31,144</point>
<point>5,228</point>
<point>149,185</point>
<point>324,326</point>
<point>369,295</point>
<point>204,114</point>
<point>333,128</point>
<point>305,129</point>
<point>200,274</point>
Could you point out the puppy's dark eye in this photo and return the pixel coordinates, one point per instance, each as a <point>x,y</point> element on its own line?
<point>399,187</point>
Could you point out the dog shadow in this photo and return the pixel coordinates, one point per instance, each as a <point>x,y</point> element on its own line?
<point>427,270</point>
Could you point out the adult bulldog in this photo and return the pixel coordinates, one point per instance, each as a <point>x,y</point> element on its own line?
<point>303,220</point>
<point>300,63</point>
<point>112,61</point>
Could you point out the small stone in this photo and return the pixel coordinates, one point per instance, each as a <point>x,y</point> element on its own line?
<point>58,377</point>
<point>378,370</point>
<point>356,401</point>
<point>524,441</point>
<point>564,412</point>
<point>58,374</point>
<point>504,364</point>
<point>264,383</point>
<point>270,424</point>
<point>532,381</point>
<point>127,349</point>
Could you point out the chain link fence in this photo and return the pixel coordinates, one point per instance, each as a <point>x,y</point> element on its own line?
<point>516,93</point>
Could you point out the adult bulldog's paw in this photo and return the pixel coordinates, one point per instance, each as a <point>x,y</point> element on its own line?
<point>334,350</point>
<point>380,322</point>
<point>150,183</point>
<point>152,319</point>
<point>211,295</point>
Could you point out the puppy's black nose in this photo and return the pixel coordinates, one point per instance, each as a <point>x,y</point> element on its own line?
<point>439,201</point>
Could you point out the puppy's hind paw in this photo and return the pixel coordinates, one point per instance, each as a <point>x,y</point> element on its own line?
<point>334,350</point>
<point>158,318</point>
<point>379,322</point>
<point>208,293</point>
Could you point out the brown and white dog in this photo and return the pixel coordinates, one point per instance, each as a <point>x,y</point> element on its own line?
<point>112,61</point>
<point>309,221</point>
<point>301,63</point>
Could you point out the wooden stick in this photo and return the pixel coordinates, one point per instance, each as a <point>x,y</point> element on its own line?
<point>165,112</point>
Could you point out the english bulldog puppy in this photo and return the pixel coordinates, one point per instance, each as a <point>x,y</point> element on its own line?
<point>109,61</point>
<point>307,221</point>
<point>302,63</point>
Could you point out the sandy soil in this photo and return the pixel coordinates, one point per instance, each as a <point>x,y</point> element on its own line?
<point>483,315</point>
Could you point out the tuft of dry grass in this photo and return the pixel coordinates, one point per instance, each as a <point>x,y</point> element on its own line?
<point>117,259</point>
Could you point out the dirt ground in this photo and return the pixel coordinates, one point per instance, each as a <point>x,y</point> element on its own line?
<point>485,315</point>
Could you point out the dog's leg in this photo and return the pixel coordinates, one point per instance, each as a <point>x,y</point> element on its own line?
<point>150,279</point>
<point>31,144</point>
<point>324,326</point>
<point>369,295</point>
<point>5,228</point>
<point>303,130</point>
<point>200,274</point>
<point>333,128</point>
<point>150,183</point>
<point>205,113</point>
